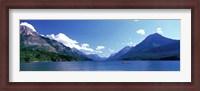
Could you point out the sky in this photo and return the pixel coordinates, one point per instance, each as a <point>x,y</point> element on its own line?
<point>103,37</point>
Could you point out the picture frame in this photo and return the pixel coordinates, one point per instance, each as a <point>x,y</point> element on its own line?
<point>112,4</point>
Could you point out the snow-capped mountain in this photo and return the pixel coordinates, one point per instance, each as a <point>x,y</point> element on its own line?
<point>30,39</point>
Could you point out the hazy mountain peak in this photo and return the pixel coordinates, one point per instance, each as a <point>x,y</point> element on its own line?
<point>120,53</point>
<point>95,57</point>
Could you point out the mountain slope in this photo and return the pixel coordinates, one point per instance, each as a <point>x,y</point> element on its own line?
<point>167,52</point>
<point>154,47</point>
<point>31,40</point>
<point>28,55</point>
<point>151,41</point>
<point>120,53</point>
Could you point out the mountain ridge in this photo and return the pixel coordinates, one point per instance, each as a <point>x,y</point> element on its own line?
<point>153,47</point>
<point>120,53</point>
<point>95,57</point>
<point>31,40</point>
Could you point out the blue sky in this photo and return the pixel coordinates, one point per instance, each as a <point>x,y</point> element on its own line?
<point>104,37</point>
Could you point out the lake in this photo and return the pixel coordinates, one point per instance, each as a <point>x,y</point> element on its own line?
<point>102,66</point>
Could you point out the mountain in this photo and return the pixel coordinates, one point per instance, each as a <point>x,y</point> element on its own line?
<point>95,57</point>
<point>31,40</point>
<point>167,52</point>
<point>120,53</point>
<point>154,47</point>
<point>151,41</point>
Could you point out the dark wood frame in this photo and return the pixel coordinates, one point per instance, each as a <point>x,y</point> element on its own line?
<point>99,4</point>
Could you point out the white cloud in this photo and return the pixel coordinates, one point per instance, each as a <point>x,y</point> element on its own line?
<point>69,42</point>
<point>159,30</point>
<point>86,47</point>
<point>100,47</point>
<point>141,31</point>
<point>28,25</point>
<point>65,40</point>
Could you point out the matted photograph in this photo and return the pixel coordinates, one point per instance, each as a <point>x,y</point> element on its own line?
<point>100,45</point>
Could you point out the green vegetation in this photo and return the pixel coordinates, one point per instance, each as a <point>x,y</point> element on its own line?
<point>28,55</point>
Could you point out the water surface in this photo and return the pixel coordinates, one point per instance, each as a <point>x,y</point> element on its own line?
<point>102,66</point>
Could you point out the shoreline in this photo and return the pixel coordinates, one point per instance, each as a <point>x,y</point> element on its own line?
<point>99,61</point>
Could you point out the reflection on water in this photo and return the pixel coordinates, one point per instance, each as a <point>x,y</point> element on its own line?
<point>102,66</point>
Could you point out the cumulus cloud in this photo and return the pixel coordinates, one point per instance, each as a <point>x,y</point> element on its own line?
<point>159,30</point>
<point>86,47</point>
<point>141,31</point>
<point>100,47</point>
<point>65,40</point>
<point>28,25</point>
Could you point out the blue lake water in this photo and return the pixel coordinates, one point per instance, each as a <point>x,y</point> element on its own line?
<point>102,66</point>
